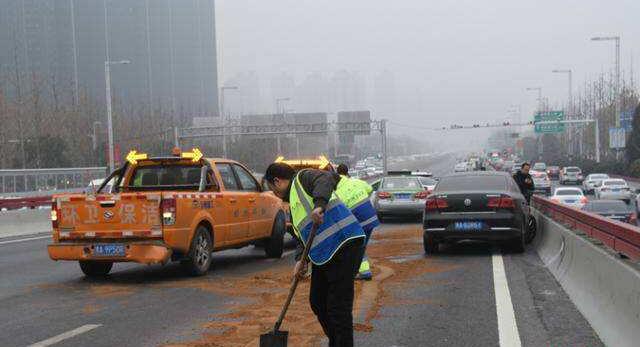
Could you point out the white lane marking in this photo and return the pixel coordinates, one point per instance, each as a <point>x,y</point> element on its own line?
<point>23,240</point>
<point>69,334</point>
<point>507,327</point>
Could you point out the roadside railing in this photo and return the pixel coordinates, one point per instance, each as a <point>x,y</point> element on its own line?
<point>621,237</point>
<point>28,202</point>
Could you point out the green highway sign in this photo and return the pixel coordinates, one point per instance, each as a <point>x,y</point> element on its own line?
<point>550,116</point>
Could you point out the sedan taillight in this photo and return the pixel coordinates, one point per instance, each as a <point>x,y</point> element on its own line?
<point>435,203</point>
<point>503,201</point>
<point>384,195</point>
<point>422,195</point>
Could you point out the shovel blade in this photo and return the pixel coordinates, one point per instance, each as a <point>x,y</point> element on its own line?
<point>275,338</point>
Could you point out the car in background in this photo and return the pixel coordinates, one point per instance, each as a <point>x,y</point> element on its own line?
<point>515,167</point>
<point>591,181</point>
<point>508,166</point>
<point>541,182</point>
<point>480,205</point>
<point>460,167</point>
<point>93,186</point>
<point>553,172</point>
<point>573,197</point>
<point>428,183</point>
<point>539,167</point>
<point>614,209</point>
<point>399,196</point>
<point>571,174</point>
<point>614,189</point>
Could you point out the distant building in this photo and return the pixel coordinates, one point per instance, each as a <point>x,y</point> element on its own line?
<point>63,44</point>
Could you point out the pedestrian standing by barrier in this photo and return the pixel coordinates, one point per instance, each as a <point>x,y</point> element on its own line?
<point>337,250</point>
<point>524,181</point>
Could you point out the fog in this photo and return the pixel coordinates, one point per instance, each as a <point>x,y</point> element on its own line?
<point>452,61</point>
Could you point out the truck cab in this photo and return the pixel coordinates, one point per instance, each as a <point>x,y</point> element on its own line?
<point>180,207</point>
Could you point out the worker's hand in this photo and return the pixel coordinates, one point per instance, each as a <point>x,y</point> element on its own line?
<point>528,180</point>
<point>317,215</point>
<point>300,270</point>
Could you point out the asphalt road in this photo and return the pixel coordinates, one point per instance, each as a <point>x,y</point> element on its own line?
<point>458,306</point>
<point>466,304</point>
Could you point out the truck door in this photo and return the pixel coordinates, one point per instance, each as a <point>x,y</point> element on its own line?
<point>235,203</point>
<point>259,218</point>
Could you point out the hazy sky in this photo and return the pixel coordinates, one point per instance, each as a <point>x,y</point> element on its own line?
<point>458,61</point>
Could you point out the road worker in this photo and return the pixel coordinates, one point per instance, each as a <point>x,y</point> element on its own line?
<point>355,194</point>
<point>337,250</point>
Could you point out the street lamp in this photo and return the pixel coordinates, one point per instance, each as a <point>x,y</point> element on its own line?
<point>617,86</point>
<point>539,89</point>
<point>224,118</point>
<point>107,79</point>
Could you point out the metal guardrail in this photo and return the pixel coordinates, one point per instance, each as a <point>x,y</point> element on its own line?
<point>29,202</point>
<point>621,237</point>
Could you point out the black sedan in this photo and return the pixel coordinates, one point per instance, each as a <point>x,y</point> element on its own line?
<point>481,205</point>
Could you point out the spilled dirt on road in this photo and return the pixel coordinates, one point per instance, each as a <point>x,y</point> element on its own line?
<point>396,262</point>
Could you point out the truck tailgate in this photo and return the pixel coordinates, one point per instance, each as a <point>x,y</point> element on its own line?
<point>109,215</point>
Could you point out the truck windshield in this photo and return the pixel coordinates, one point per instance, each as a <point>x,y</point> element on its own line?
<point>166,177</point>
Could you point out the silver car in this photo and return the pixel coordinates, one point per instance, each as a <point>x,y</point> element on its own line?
<point>614,189</point>
<point>592,180</point>
<point>399,196</point>
<point>571,174</point>
<point>541,182</point>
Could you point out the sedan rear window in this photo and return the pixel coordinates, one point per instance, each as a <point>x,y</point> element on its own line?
<point>472,182</point>
<point>569,192</point>
<point>572,169</point>
<point>401,183</point>
<point>615,183</point>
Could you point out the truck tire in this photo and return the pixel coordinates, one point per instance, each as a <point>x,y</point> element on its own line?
<point>274,245</point>
<point>198,259</point>
<point>431,245</point>
<point>95,268</point>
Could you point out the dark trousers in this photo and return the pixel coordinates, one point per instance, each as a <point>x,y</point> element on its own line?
<point>331,294</point>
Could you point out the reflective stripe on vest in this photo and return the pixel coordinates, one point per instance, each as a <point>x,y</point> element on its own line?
<point>339,225</point>
<point>356,198</point>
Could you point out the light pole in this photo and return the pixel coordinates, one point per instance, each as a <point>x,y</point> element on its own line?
<point>617,85</point>
<point>278,108</point>
<point>539,89</point>
<point>569,106</point>
<point>223,118</point>
<point>107,79</point>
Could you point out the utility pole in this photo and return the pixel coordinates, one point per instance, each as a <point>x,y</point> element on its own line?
<point>539,138</point>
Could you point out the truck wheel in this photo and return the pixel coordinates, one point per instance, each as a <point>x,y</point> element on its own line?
<point>274,246</point>
<point>431,246</point>
<point>198,259</point>
<point>95,268</point>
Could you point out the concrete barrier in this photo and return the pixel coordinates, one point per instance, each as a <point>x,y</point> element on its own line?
<point>604,287</point>
<point>24,222</point>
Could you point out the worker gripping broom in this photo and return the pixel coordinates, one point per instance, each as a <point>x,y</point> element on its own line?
<point>355,194</point>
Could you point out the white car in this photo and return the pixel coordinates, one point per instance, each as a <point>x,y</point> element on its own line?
<point>589,184</point>
<point>614,189</point>
<point>460,167</point>
<point>571,174</point>
<point>573,197</point>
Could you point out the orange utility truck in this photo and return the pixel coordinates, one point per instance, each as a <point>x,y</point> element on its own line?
<point>181,207</point>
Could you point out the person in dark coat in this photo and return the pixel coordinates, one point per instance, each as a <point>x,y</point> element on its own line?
<point>525,181</point>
